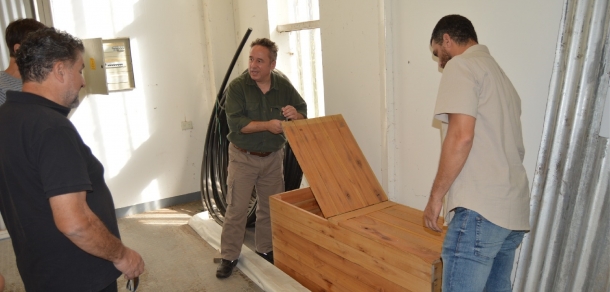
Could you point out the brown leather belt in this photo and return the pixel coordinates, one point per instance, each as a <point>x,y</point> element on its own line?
<point>259,154</point>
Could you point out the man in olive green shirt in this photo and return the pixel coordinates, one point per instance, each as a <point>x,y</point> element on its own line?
<point>257,101</point>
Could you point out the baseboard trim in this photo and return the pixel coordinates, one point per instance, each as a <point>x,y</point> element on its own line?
<point>155,205</point>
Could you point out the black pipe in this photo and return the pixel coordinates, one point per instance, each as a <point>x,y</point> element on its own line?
<point>235,57</point>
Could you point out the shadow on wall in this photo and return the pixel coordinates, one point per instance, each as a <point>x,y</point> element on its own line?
<point>146,157</point>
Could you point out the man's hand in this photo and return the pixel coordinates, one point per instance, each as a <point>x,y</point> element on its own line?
<point>79,224</point>
<point>455,151</point>
<point>274,126</point>
<point>431,213</point>
<point>290,113</point>
<point>130,264</point>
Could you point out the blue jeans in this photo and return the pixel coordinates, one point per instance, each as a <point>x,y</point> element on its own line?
<point>477,254</point>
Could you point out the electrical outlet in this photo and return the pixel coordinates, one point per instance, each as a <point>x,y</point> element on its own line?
<point>187,125</point>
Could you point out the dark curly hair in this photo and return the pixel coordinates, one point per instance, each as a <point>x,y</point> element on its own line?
<point>17,30</point>
<point>267,43</point>
<point>458,27</point>
<point>42,49</point>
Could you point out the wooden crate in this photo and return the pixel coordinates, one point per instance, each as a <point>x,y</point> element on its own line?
<point>342,233</point>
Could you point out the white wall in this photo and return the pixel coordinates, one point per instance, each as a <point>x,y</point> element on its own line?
<point>137,134</point>
<point>226,23</point>
<point>219,26</point>
<point>352,72</point>
<point>250,14</point>
<point>520,34</point>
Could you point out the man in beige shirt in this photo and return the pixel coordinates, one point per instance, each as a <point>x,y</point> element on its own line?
<point>481,165</point>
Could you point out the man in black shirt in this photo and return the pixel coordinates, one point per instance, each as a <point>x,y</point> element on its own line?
<point>53,197</point>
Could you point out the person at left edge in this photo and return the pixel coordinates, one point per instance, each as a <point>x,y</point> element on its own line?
<point>53,197</point>
<point>15,32</point>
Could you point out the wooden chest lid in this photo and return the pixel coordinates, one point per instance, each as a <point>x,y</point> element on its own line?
<point>339,175</point>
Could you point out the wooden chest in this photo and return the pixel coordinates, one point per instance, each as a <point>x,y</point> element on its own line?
<point>342,233</point>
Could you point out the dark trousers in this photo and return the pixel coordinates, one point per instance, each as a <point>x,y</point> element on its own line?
<point>111,288</point>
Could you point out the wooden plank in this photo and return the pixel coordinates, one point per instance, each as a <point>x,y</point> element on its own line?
<point>278,205</point>
<point>296,196</point>
<point>298,277</point>
<point>360,212</point>
<point>437,276</point>
<point>416,229</point>
<point>385,234</point>
<point>339,175</point>
<point>375,257</point>
<point>318,147</point>
<point>378,194</point>
<point>304,148</point>
<point>335,158</point>
<point>357,168</point>
<point>298,26</point>
<point>321,259</point>
<point>325,281</point>
<point>392,256</point>
<point>316,211</point>
<point>411,215</point>
<point>402,268</point>
<point>301,198</point>
<point>307,204</point>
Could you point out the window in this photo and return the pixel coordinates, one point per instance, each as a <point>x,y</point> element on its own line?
<point>297,27</point>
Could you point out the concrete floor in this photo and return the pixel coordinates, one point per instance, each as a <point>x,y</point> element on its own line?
<point>176,257</point>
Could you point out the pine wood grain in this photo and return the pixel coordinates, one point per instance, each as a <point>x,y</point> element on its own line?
<point>304,147</point>
<point>325,281</point>
<point>336,157</point>
<point>296,196</point>
<point>389,235</point>
<point>295,275</point>
<point>365,173</point>
<point>412,215</point>
<point>412,271</point>
<point>321,259</point>
<point>409,227</point>
<point>360,212</point>
<point>394,256</point>
<point>337,171</point>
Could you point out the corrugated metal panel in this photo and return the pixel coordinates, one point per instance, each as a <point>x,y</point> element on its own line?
<point>568,246</point>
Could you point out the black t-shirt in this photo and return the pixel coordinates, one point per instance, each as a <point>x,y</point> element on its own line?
<point>41,156</point>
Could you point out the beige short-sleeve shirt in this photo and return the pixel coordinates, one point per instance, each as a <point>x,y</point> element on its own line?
<point>493,181</point>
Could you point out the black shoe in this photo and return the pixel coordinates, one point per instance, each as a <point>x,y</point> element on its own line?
<point>225,268</point>
<point>267,256</point>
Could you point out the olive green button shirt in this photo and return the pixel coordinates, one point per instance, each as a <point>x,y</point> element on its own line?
<point>245,102</point>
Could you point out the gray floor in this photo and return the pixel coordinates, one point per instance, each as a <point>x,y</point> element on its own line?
<point>177,259</point>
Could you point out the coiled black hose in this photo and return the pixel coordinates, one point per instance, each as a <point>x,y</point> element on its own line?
<point>215,159</point>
